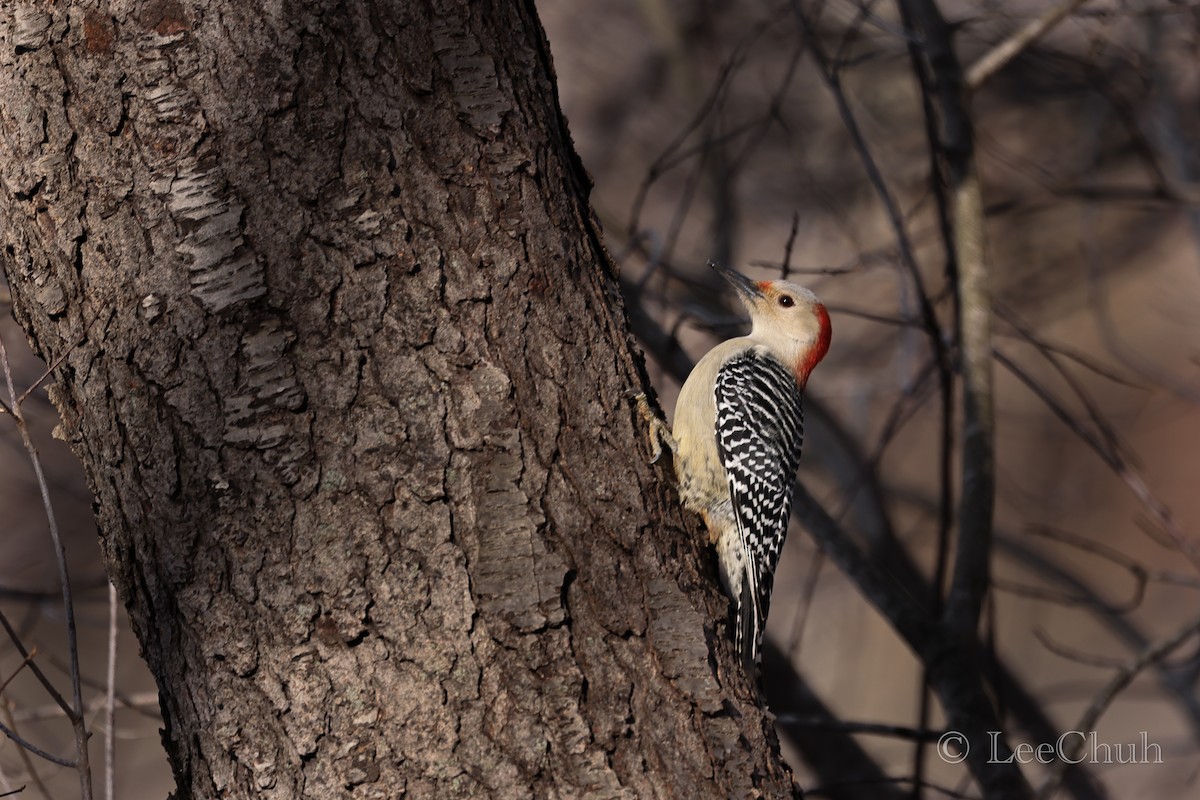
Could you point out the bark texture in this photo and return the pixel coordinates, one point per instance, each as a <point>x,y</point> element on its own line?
<point>348,380</point>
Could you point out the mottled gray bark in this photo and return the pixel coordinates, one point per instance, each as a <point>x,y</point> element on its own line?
<point>349,384</point>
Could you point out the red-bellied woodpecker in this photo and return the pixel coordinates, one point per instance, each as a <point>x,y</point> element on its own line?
<point>737,435</point>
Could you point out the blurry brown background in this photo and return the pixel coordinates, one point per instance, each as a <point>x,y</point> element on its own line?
<point>1089,146</point>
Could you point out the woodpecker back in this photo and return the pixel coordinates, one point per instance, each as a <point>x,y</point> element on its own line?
<point>738,430</point>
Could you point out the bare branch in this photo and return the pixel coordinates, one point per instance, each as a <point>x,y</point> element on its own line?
<point>1073,654</point>
<point>37,751</point>
<point>78,721</point>
<point>1139,573</point>
<point>838,789</point>
<point>34,668</point>
<point>848,726</point>
<point>50,370</point>
<point>1159,512</point>
<point>110,697</point>
<point>831,754</point>
<point>786,269</point>
<point>24,755</point>
<point>26,661</point>
<point>995,59</point>
<point>143,703</point>
<point>1051,349</point>
<point>1087,722</point>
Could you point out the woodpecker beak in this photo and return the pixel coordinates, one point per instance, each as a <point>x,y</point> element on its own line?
<point>747,288</point>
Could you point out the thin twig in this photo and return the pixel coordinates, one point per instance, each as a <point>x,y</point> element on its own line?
<point>1128,633</point>
<point>37,751</point>
<point>24,755</point>
<point>24,663</point>
<point>1137,571</point>
<point>875,176</point>
<point>1072,654</point>
<point>1162,515</point>
<point>110,697</point>
<point>808,590</point>
<point>838,789</point>
<point>143,703</point>
<point>1064,598</point>
<point>911,399</point>
<point>873,728</point>
<point>883,319</point>
<point>995,59</point>
<point>831,754</point>
<point>43,596</point>
<point>786,267</point>
<point>34,668</point>
<point>50,369</point>
<point>904,612</point>
<point>1087,362</point>
<point>1087,722</point>
<point>1097,281</point>
<point>77,718</point>
<point>670,155</point>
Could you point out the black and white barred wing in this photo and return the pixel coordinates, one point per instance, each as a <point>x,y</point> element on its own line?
<point>759,432</point>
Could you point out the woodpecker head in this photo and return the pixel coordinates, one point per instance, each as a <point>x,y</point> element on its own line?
<point>786,317</point>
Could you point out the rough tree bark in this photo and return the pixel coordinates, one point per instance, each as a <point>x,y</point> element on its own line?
<point>348,381</point>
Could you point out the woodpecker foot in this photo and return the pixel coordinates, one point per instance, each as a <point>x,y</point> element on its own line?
<point>659,433</point>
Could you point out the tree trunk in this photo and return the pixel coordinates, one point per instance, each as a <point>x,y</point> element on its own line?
<point>346,364</point>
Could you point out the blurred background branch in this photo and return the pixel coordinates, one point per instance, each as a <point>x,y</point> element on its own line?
<point>923,166</point>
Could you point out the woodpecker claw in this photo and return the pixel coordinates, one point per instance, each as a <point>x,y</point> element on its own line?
<point>659,433</point>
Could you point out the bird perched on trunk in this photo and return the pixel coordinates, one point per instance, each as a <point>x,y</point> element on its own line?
<point>737,436</point>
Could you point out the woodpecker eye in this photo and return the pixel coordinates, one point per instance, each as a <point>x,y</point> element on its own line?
<point>786,301</point>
